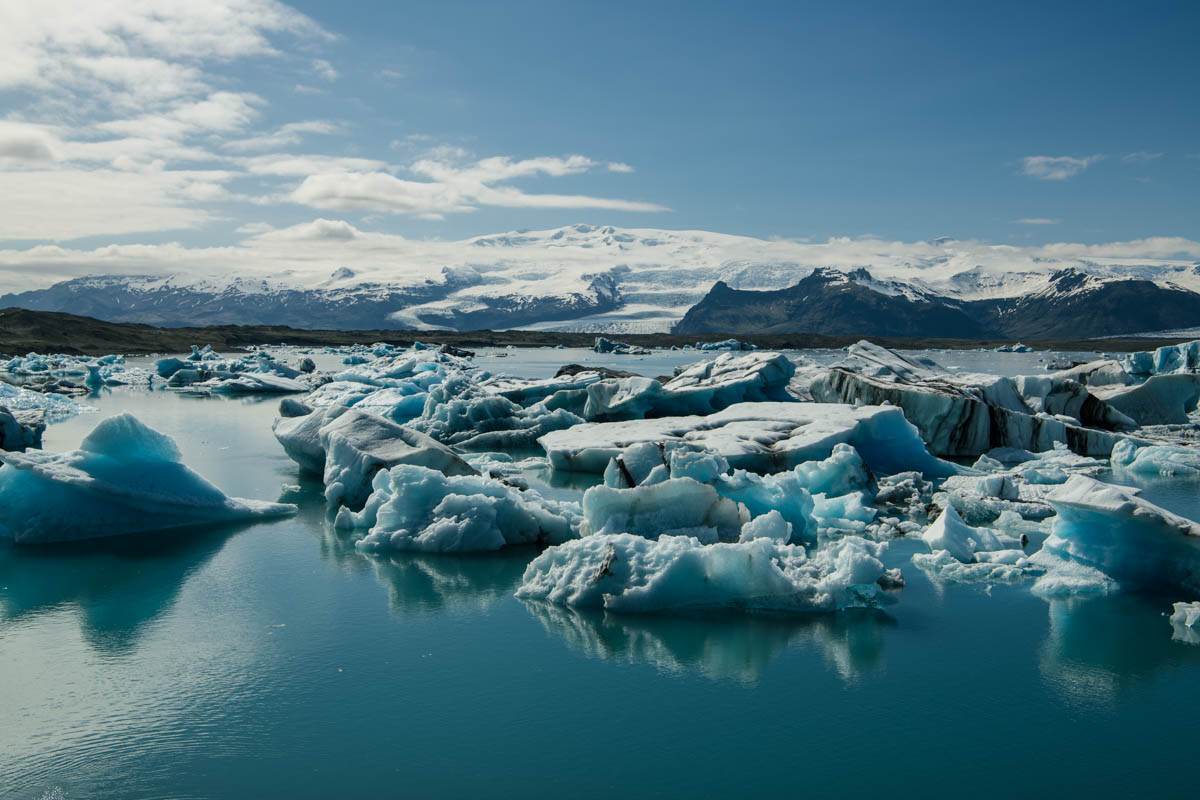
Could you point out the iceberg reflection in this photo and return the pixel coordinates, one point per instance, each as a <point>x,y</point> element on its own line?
<point>118,585</point>
<point>720,646</point>
<point>1099,647</point>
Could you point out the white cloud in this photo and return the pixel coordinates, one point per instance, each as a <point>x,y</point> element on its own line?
<point>325,70</point>
<point>1035,221</point>
<point>289,134</point>
<point>454,187</point>
<point>1056,168</point>
<point>68,203</point>
<point>617,166</point>
<point>1140,156</point>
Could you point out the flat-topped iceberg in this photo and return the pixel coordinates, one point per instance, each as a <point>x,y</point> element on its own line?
<point>627,573</point>
<point>124,478</point>
<point>414,508</point>
<point>759,437</point>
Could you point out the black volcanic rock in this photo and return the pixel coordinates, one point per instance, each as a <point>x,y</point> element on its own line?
<point>831,302</point>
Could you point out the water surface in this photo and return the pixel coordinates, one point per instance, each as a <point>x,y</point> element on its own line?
<point>274,660</point>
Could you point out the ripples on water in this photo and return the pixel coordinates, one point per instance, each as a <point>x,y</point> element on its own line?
<point>275,660</point>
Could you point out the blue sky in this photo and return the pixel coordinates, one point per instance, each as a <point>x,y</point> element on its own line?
<point>1022,123</point>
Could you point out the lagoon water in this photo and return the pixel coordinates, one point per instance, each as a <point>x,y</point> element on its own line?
<point>274,660</point>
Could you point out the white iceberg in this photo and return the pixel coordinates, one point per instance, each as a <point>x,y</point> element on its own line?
<point>125,478</point>
<point>347,447</point>
<point>960,552</point>
<point>674,507</point>
<point>1160,459</point>
<point>760,437</point>
<point>627,573</point>
<point>702,388</point>
<point>414,508</point>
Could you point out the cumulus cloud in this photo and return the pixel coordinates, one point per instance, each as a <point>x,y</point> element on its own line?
<point>1056,168</point>
<point>1140,156</point>
<point>1035,221</point>
<point>617,166</point>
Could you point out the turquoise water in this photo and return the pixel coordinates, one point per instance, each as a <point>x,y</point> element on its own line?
<point>273,660</point>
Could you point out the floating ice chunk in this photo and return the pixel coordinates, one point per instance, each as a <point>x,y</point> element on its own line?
<point>1134,542</point>
<point>1161,400</point>
<point>959,552</point>
<point>1171,359</point>
<point>626,573</point>
<point>250,383</point>
<point>54,408</point>
<point>770,525</point>
<point>460,413</point>
<point>357,445</point>
<point>1185,620</point>
<point>840,474</point>
<point>965,415</point>
<point>763,437</point>
<point>848,513</point>
<point>726,344</point>
<point>603,345</point>
<point>1159,459</point>
<point>414,508</point>
<point>125,478</point>
<point>21,430</point>
<point>677,506</point>
<point>702,388</point>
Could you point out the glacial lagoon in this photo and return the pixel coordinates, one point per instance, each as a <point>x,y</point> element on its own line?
<point>274,659</point>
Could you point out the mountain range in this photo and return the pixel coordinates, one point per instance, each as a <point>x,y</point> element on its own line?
<point>610,280</point>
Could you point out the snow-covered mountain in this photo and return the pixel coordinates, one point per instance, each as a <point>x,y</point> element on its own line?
<point>603,279</point>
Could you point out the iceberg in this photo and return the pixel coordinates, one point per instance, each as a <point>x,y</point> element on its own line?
<point>627,573</point>
<point>21,430</point>
<point>1132,541</point>
<point>959,552</point>
<point>347,447</point>
<point>459,412</point>
<point>702,388</point>
<point>967,415</point>
<point>674,507</point>
<point>1159,459</point>
<point>760,437</point>
<point>124,478</point>
<point>1185,620</point>
<point>414,508</point>
<point>1160,400</point>
<point>53,408</point>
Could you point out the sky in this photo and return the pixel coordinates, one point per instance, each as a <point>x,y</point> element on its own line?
<point>161,126</point>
